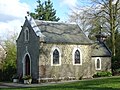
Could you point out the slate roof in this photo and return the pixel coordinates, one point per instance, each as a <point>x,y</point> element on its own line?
<point>100,49</point>
<point>34,26</point>
<point>56,32</point>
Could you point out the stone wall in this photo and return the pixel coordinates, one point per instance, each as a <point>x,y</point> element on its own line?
<point>66,69</point>
<point>30,47</point>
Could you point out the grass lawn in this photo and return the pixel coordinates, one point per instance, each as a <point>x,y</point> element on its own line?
<point>112,83</point>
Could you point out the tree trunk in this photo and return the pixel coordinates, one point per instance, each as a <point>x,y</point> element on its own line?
<point>112,25</point>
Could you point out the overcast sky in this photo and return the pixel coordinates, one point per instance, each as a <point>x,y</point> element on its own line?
<point>13,12</point>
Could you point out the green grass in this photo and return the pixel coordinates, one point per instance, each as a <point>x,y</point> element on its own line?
<point>112,83</point>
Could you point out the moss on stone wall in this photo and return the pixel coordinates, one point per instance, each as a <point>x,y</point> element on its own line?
<point>66,69</point>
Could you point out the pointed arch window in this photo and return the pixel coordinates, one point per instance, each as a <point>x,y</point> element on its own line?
<point>77,57</point>
<point>55,57</point>
<point>98,64</point>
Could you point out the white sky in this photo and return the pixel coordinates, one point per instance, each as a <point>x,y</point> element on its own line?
<point>13,12</point>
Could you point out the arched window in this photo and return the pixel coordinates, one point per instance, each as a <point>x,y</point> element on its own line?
<point>55,57</point>
<point>77,57</point>
<point>26,34</point>
<point>98,64</point>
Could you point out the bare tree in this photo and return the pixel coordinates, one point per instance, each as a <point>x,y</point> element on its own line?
<point>105,13</point>
<point>80,18</point>
<point>110,10</point>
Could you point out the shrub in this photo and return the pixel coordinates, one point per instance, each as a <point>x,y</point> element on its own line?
<point>7,73</point>
<point>102,74</point>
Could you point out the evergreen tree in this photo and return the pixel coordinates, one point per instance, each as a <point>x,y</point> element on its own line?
<point>45,11</point>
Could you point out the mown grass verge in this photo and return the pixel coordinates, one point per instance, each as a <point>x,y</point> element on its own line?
<point>112,83</point>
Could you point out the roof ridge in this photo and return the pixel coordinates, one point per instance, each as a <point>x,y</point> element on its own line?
<point>55,22</point>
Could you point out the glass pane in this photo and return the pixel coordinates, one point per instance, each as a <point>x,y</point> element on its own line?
<point>98,63</point>
<point>55,57</point>
<point>77,57</point>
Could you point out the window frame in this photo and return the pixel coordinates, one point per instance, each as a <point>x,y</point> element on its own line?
<point>96,59</point>
<point>73,56</point>
<point>53,49</point>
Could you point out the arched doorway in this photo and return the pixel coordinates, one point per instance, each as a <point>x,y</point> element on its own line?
<point>27,65</point>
